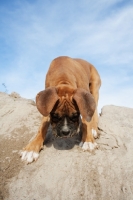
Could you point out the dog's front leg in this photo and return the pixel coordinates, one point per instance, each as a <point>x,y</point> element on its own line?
<point>31,151</point>
<point>88,143</point>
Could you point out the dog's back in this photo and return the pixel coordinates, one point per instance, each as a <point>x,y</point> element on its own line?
<point>75,72</point>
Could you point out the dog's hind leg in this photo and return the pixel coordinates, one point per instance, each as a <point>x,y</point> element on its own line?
<point>94,86</point>
<point>90,129</point>
<point>31,151</point>
<point>94,121</point>
<point>88,142</point>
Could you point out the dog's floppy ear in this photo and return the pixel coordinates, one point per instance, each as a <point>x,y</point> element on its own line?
<point>85,103</point>
<point>45,100</point>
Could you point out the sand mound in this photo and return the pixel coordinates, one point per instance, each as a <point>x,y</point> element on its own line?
<point>63,171</point>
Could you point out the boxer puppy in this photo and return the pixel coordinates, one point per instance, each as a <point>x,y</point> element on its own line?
<point>71,90</point>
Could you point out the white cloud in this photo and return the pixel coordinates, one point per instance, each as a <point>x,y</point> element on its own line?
<point>110,38</point>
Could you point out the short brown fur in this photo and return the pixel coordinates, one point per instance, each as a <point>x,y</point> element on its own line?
<point>74,84</point>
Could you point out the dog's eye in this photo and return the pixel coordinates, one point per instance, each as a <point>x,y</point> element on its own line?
<point>74,117</point>
<point>55,118</point>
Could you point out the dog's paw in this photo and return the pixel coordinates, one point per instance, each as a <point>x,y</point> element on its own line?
<point>94,133</point>
<point>29,156</point>
<point>81,144</point>
<point>88,146</point>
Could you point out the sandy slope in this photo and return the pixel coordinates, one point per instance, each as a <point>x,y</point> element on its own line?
<point>63,171</point>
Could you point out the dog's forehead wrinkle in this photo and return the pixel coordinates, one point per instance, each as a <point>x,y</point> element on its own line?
<point>65,104</point>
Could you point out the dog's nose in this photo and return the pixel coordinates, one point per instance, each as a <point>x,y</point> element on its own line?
<point>65,128</point>
<point>65,132</point>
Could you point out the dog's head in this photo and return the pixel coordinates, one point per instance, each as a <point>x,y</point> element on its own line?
<point>65,104</point>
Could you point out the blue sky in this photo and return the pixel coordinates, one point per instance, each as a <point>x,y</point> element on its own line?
<point>34,32</point>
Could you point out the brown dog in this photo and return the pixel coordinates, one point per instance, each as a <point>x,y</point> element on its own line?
<point>72,89</point>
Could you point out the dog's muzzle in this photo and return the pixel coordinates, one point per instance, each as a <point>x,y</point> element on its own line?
<point>65,131</point>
